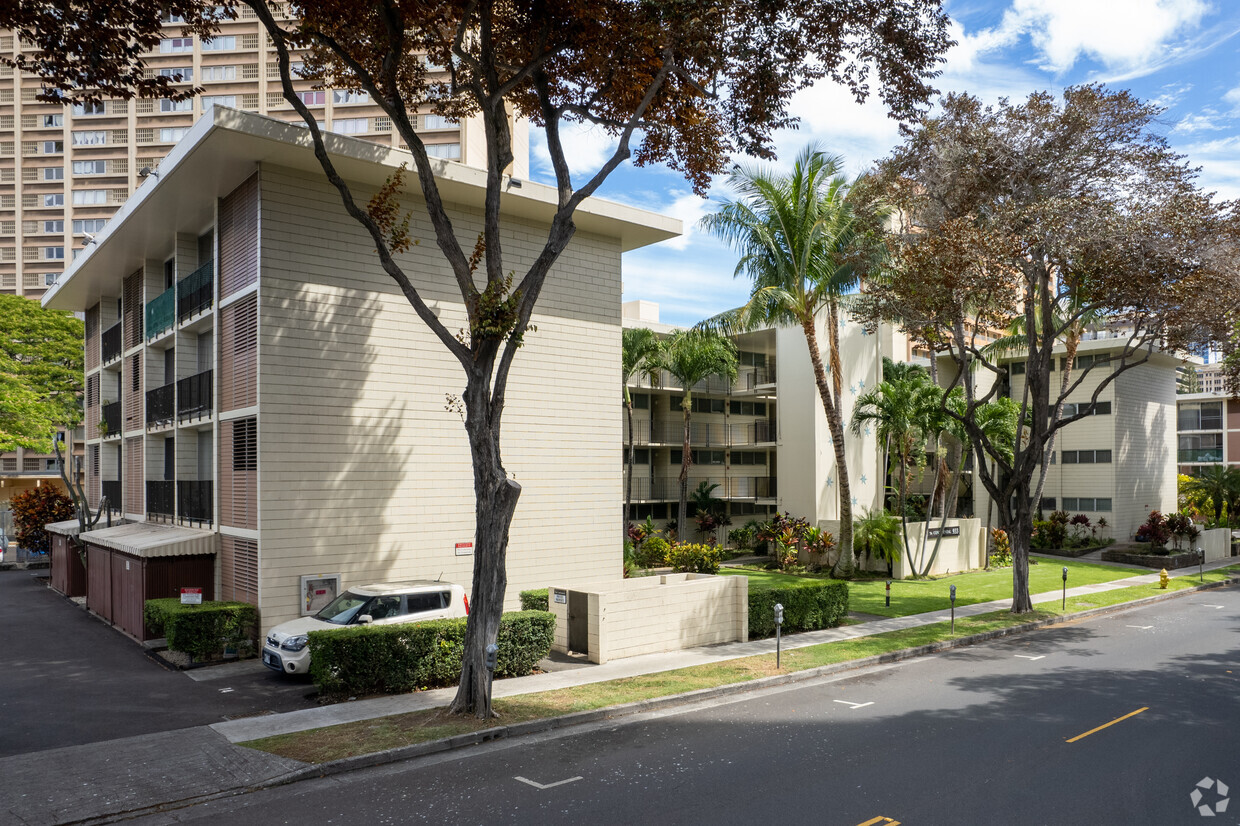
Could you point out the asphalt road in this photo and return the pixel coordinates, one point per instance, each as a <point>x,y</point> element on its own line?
<point>1005,733</point>
<point>67,679</point>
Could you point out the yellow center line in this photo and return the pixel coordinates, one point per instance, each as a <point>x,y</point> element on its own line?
<point>875,821</point>
<point>1104,725</point>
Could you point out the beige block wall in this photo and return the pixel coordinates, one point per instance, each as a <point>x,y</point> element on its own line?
<point>362,469</point>
<point>1216,542</point>
<point>956,553</point>
<point>647,615</point>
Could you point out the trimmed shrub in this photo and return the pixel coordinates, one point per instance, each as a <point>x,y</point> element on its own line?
<point>34,508</point>
<point>807,607</point>
<point>535,600</point>
<point>694,559</point>
<point>393,659</point>
<point>653,552</point>
<point>203,631</point>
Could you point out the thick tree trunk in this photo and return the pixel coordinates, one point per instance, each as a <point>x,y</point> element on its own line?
<point>1020,532</point>
<point>686,459</point>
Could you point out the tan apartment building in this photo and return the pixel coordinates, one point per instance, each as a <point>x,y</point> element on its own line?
<point>65,171</point>
<point>259,391</point>
<point>762,439</point>
<point>1207,430</point>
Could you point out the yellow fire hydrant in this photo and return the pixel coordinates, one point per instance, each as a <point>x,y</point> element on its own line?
<point>1163,579</point>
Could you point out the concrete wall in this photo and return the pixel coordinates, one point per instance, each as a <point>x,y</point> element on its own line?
<point>956,553</point>
<point>1216,542</point>
<point>647,615</point>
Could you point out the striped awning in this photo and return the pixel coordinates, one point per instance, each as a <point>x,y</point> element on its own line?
<point>148,539</point>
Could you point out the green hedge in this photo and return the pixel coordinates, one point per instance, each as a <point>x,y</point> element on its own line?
<point>392,659</point>
<point>807,607</point>
<point>535,600</point>
<point>203,631</point>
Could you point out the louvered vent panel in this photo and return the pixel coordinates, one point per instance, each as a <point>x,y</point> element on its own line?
<point>92,337</point>
<point>93,486</point>
<point>238,265</point>
<point>93,412</point>
<point>239,473</point>
<point>239,354</point>
<point>131,304</point>
<point>135,482</point>
<point>131,380</point>
<point>239,569</point>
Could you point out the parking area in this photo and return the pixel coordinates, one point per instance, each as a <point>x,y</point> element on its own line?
<point>67,679</point>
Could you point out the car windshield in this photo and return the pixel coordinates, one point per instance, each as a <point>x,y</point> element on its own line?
<point>343,609</point>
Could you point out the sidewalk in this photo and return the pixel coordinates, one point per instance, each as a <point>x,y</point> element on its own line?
<point>85,783</point>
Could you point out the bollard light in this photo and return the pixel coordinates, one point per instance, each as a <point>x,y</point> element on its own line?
<point>889,593</point>
<point>1065,588</point>
<point>492,656</point>
<point>779,622</point>
<point>1201,564</point>
<point>953,609</point>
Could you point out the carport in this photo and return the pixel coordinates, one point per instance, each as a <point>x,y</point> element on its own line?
<point>128,564</point>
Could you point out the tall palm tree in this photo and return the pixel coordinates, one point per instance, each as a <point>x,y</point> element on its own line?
<point>692,356</point>
<point>1221,483</point>
<point>799,237</point>
<point>638,348</point>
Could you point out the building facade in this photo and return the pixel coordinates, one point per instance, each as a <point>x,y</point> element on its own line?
<point>253,377</point>
<point>1207,430</point>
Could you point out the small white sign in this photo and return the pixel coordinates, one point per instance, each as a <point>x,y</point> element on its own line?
<point>561,596</point>
<point>191,596</point>
<point>464,549</point>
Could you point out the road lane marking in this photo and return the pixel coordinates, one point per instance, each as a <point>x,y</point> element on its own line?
<point>1142,627</point>
<point>876,821</point>
<point>1027,657</point>
<point>225,690</point>
<point>537,785</point>
<point>1208,605</point>
<point>854,706</point>
<point>1105,725</point>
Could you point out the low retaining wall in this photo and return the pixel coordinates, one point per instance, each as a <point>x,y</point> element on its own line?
<point>962,552</point>
<point>1171,562</point>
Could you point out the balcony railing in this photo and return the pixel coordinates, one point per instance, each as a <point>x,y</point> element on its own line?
<point>110,342</point>
<point>112,492</point>
<point>159,405</point>
<point>111,425</point>
<point>702,434</point>
<point>194,395</point>
<point>161,312</point>
<point>159,493</point>
<point>667,489</point>
<point>747,487</point>
<point>194,500</point>
<point>195,291</point>
<point>1203,455</point>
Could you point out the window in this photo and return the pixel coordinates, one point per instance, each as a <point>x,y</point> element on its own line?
<point>218,100</point>
<point>219,73</point>
<point>1202,416</point>
<point>53,253</point>
<point>451,151</point>
<point>748,457</point>
<point>166,105</point>
<point>748,408</point>
<point>219,44</point>
<point>245,444</point>
<point>699,457</point>
<point>172,135</point>
<point>339,96</point>
<point>1085,362</point>
<point>700,405</point>
<point>418,603</point>
<point>1071,409</point>
<point>437,122</point>
<point>1048,503</point>
<point>1086,457</point>
<point>93,138</point>
<point>90,197</point>
<point>177,44</point>
<point>89,108</point>
<point>50,121</point>
<point>53,147</point>
<point>1017,368</point>
<point>55,200</point>
<point>1201,447</point>
<point>178,74</point>
<point>169,17</point>
<point>53,173</point>
<point>313,98</point>
<point>745,359</point>
<point>349,126</point>
<point>82,226</point>
<point>90,167</point>
<point>1078,505</point>
<point>53,227</point>
<point>641,456</point>
<point>641,401</point>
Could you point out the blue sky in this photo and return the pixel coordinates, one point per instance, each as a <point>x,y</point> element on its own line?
<point>1181,54</point>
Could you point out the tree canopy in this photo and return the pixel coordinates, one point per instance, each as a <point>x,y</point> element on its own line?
<point>40,373</point>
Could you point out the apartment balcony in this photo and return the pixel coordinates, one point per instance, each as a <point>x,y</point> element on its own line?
<point>194,500</point>
<point>159,497</point>
<point>702,434</point>
<point>758,432</point>
<point>110,343</point>
<point>160,409</point>
<point>195,291</point>
<point>759,377</point>
<point>194,396</point>
<point>747,487</point>
<point>111,424</point>
<point>112,492</point>
<point>161,313</point>
<point>1212,455</point>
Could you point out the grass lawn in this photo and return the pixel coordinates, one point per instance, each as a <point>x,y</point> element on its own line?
<point>917,596</point>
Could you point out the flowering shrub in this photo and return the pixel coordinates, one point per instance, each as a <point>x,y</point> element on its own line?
<point>35,508</point>
<point>1154,530</point>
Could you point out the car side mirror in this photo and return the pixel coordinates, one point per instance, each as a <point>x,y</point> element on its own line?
<point>365,619</point>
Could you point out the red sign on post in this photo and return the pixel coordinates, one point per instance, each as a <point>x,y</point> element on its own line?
<point>191,596</point>
<point>464,548</point>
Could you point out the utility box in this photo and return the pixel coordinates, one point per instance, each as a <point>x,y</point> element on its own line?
<point>68,572</point>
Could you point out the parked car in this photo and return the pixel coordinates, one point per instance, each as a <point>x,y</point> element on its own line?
<point>286,647</point>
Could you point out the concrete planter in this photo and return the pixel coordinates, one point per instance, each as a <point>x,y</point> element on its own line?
<point>1184,559</point>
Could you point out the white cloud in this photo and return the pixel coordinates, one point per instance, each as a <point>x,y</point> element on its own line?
<point>1207,120</point>
<point>687,286</point>
<point>586,148</point>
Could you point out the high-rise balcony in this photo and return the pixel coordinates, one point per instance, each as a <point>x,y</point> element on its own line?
<point>702,434</point>
<point>159,497</point>
<point>160,409</point>
<point>111,424</point>
<point>194,396</point>
<point>161,313</point>
<point>110,343</point>
<point>1208,455</point>
<point>195,291</point>
<point>194,500</point>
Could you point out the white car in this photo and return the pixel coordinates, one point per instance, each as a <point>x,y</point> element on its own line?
<point>285,649</point>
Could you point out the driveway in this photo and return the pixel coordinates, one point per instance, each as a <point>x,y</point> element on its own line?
<point>67,679</point>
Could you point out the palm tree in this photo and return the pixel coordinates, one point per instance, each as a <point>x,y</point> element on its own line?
<point>638,347</point>
<point>877,534</point>
<point>800,241</point>
<point>692,356</point>
<point>1221,483</point>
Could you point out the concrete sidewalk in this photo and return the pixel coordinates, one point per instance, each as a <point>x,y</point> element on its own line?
<point>96,782</point>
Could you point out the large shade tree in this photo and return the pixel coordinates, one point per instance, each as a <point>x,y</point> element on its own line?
<point>40,374</point>
<point>683,83</point>
<point>1052,209</point>
<point>804,246</point>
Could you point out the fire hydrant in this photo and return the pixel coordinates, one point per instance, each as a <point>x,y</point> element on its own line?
<point>1163,579</point>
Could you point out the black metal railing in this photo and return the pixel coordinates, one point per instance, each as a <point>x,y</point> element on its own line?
<point>701,434</point>
<point>159,497</point>
<point>112,492</point>
<point>194,500</point>
<point>194,395</point>
<point>160,409</point>
<point>110,342</point>
<point>111,424</point>
<point>195,291</point>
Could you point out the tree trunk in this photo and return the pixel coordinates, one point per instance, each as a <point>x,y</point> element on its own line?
<point>938,541</point>
<point>908,549</point>
<point>1069,359</point>
<point>1020,532</point>
<point>630,458</point>
<point>686,459</point>
<point>843,566</point>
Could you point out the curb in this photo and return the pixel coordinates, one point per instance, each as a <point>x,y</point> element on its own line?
<point>363,761</point>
